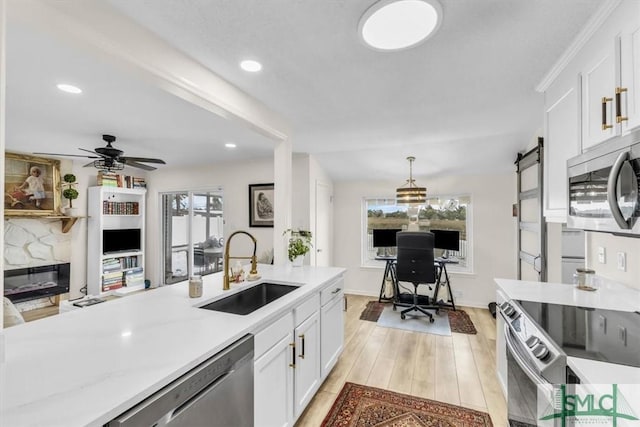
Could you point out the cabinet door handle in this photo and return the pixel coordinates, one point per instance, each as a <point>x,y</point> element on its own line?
<point>302,338</point>
<point>336,291</point>
<point>293,349</point>
<point>605,126</point>
<point>619,117</point>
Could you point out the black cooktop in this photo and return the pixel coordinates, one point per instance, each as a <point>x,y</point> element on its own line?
<point>590,333</point>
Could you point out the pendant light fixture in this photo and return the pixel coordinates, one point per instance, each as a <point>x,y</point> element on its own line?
<point>410,193</point>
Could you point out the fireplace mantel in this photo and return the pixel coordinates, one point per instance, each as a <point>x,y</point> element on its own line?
<point>67,221</point>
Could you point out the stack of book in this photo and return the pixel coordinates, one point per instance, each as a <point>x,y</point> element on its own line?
<point>110,265</point>
<point>112,179</point>
<point>120,208</point>
<point>108,179</point>
<point>111,281</point>
<point>134,278</point>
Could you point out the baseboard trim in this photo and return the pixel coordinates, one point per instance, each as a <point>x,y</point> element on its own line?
<point>461,303</point>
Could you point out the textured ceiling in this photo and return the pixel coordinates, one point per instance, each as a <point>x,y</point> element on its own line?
<point>462,102</point>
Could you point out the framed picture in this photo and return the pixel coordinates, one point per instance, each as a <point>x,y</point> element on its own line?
<point>261,205</point>
<point>31,185</point>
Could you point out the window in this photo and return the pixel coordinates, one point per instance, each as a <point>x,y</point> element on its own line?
<point>439,213</point>
<point>192,230</point>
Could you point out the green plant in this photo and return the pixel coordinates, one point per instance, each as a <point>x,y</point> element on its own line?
<point>70,194</point>
<point>299,243</point>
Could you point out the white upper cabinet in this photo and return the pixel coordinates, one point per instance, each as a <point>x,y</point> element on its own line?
<point>628,90</point>
<point>591,95</point>
<point>562,141</point>
<point>610,83</point>
<point>598,83</point>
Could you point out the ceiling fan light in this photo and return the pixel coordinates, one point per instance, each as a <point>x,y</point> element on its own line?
<point>107,166</point>
<point>399,24</point>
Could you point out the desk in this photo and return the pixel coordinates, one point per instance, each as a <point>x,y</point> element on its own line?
<point>442,264</point>
<point>389,272</point>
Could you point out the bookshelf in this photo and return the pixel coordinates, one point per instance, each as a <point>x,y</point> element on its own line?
<point>116,236</point>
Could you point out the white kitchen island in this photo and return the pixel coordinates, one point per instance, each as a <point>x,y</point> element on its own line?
<point>89,365</point>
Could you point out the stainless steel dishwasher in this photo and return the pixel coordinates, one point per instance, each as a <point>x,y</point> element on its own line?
<point>219,392</point>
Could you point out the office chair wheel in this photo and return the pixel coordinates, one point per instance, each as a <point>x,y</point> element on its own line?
<point>402,316</point>
<point>431,320</point>
<point>394,307</point>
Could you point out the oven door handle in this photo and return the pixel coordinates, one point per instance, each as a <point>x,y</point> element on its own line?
<point>511,346</point>
<point>612,183</point>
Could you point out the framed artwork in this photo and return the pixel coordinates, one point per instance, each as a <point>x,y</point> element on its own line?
<point>31,185</point>
<point>261,205</point>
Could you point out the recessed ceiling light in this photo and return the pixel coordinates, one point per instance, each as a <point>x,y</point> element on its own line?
<point>230,145</point>
<point>251,65</point>
<point>399,24</point>
<point>69,88</point>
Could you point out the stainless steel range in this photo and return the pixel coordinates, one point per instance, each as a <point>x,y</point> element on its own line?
<point>539,336</point>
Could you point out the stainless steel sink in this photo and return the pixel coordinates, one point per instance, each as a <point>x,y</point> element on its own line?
<point>249,300</point>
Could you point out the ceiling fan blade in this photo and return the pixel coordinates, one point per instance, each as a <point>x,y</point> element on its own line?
<point>143,159</point>
<point>131,163</point>
<point>68,155</point>
<point>93,152</point>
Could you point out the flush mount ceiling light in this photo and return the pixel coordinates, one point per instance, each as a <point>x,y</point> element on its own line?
<point>69,88</point>
<point>230,145</point>
<point>410,193</point>
<point>399,24</point>
<point>251,66</point>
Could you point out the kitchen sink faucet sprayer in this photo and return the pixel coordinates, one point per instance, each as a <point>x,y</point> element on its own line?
<point>253,274</point>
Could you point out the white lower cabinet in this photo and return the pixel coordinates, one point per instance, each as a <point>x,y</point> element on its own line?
<point>294,354</point>
<point>307,371</point>
<point>273,385</point>
<point>332,331</point>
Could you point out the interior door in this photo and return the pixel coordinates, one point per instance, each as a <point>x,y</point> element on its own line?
<point>532,254</point>
<point>322,232</point>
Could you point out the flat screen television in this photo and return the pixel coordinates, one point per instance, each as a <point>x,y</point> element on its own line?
<point>385,238</point>
<point>446,239</point>
<point>122,240</point>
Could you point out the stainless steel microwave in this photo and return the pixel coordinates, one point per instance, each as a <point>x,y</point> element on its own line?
<point>604,185</point>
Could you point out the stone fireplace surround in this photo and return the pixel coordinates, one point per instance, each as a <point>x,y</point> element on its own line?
<point>34,242</point>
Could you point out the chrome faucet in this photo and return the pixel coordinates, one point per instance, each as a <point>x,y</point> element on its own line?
<point>254,267</point>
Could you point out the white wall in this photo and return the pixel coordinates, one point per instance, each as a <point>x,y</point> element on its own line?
<point>307,173</point>
<point>494,239</point>
<point>614,244</point>
<point>234,179</point>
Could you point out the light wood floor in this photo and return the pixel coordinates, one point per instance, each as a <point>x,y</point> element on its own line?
<point>459,369</point>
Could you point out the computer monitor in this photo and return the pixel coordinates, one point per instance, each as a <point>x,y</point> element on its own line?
<point>449,240</point>
<point>385,238</point>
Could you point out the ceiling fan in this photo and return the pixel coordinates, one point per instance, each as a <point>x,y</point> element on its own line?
<point>110,158</point>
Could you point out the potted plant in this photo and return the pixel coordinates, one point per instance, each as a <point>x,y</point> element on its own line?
<point>299,245</point>
<point>69,192</point>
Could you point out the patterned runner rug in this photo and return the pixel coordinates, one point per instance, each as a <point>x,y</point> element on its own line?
<point>459,320</point>
<point>363,406</point>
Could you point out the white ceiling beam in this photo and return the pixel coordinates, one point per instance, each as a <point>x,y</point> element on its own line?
<point>107,33</point>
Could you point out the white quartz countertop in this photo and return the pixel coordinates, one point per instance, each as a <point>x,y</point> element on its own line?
<point>89,365</point>
<point>609,295</point>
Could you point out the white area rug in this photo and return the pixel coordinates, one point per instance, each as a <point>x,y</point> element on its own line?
<point>415,321</point>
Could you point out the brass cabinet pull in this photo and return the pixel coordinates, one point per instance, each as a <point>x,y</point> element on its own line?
<point>293,349</point>
<point>619,117</point>
<point>302,338</point>
<point>605,126</point>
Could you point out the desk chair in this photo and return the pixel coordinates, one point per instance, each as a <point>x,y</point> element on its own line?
<point>415,265</point>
